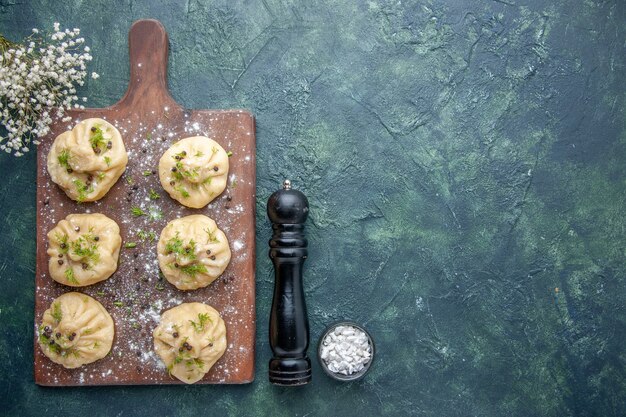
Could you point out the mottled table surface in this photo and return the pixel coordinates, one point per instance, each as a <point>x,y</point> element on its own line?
<point>465,162</point>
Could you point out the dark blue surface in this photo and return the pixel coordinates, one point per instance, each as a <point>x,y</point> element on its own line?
<point>465,167</point>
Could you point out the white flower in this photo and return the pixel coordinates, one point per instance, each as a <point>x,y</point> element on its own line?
<point>95,75</point>
<point>38,82</point>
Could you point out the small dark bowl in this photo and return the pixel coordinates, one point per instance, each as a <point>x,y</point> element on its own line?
<point>341,377</point>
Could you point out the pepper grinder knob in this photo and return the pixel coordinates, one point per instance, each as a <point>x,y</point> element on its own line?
<point>288,210</point>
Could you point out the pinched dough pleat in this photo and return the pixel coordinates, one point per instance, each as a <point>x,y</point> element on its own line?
<point>83,249</point>
<point>76,330</point>
<point>87,160</point>
<point>189,340</point>
<point>192,252</point>
<point>194,171</point>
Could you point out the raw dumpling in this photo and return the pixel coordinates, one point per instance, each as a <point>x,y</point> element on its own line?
<point>189,340</point>
<point>83,249</point>
<point>87,160</point>
<point>194,171</point>
<point>76,330</point>
<point>192,252</point>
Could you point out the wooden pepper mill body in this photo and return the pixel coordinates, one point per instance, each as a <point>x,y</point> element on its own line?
<point>289,326</point>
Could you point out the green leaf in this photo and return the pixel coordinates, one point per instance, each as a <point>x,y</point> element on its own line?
<point>97,139</point>
<point>203,318</point>
<point>62,241</point>
<point>86,248</point>
<point>193,269</point>
<point>153,195</point>
<point>181,250</point>
<point>212,238</point>
<point>82,190</point>
<point>57,314</point>
<point>64,158</point>
<point>180,173</point>
<point>182,191</point>
<point>137,211</point>
<point>70,277</point>
<point>174,245</point>
<point>142,235</point>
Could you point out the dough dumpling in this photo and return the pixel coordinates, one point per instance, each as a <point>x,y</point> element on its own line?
<point>76,330</point>
<point>194,171</point>
<point>192,252</point>
<point>83,249</point>
<point>189,340</point>
<point>87,160</point>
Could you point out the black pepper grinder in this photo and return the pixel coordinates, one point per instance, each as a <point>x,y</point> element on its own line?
<point>289,325</point>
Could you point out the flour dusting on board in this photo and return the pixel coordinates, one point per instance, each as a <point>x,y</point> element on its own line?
<point>137,293</point>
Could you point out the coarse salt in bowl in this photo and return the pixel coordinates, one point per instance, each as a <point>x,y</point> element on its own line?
<point>345,351</point>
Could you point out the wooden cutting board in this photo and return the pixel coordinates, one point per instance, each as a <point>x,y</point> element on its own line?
<point>135,296</point>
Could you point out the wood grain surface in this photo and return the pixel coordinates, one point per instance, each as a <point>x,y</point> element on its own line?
<point>135,296</point>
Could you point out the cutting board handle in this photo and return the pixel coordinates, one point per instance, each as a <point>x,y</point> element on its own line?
<point>148,49</point>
